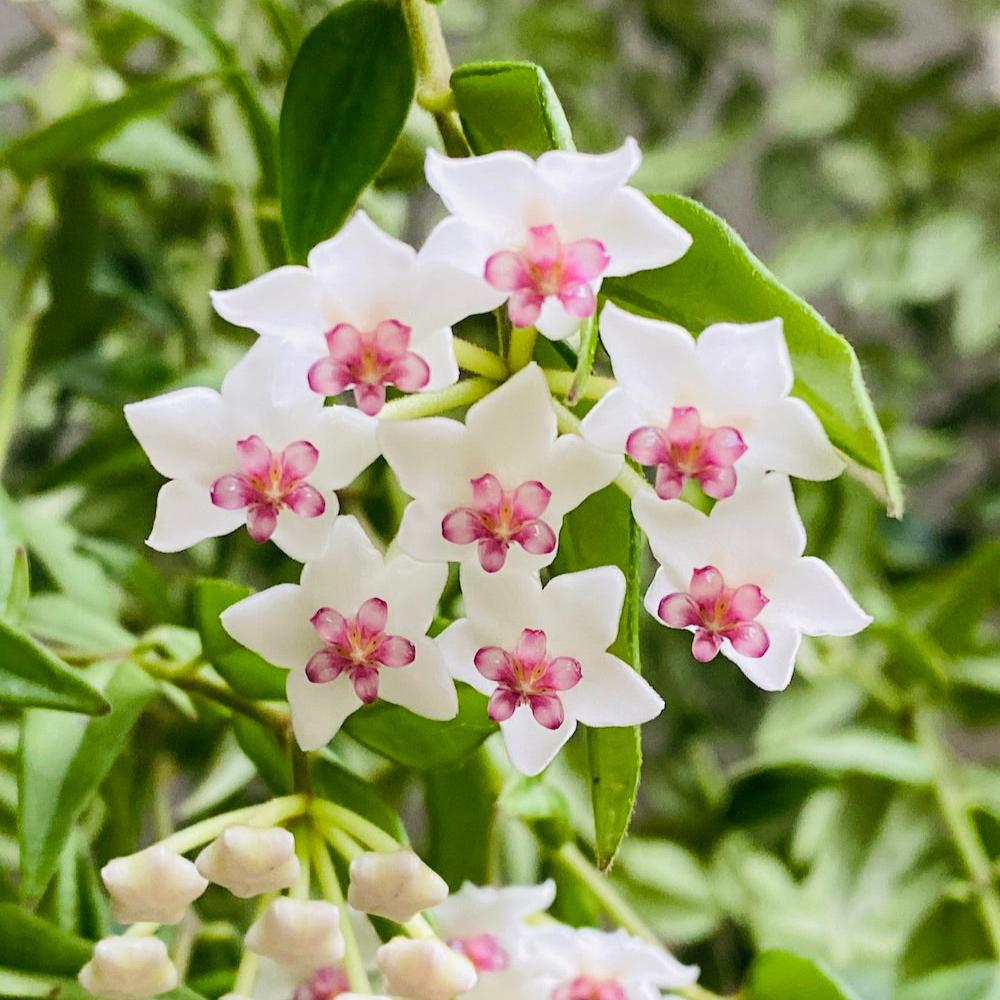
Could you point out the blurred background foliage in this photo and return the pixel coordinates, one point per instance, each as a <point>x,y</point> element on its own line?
<point>855,144</point>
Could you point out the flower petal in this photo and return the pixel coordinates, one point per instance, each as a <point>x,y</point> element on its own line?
<point>815,599</point>
<point>410,373</point>
<point>284,303</point>
<point>583,609</point>
<point>425,686</point>
<point>462,526</point>
<point>306,501</point>
<point>531,647</point>
<point>502,605</point>
<point>502,704</point>
<point>395,651</point>
<point>348,572</point>
<point>458,644</point>
<point>575,470</point>
<point>788,437</point>
<point>494,663</point>
<point>306,538</point>
<point>678,610</point>
<point>537,538</point>
<point>186,515</point>
<point>611,693</point>
<point>532,747</point>
<point>430,458</point>
<point>318,710</point>
<point>547,710</point>
<point>299,459</point>
<point>347,445</point>
<point>262,519</point>
<point>590,176</point>
<point>749,359</point>
<point>678,534</point>
<point>612,419</point>
<point>562,673</point>
<point>412,590</point>
<point>773,670</point>
<point>275,625</point>
<point>330,625</point>
<point>420,535</point>
<point>492,554</point>
<point>372,615</point>
<point>637,235</point>
<point>437,348</point>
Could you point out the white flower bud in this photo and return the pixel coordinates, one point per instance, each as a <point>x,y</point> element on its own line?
<point>249,861</point>
<point>128,969</point>
<point>155,885</point>
<point>396,885</point>
<point>425,970</point>
<point>300,934</point>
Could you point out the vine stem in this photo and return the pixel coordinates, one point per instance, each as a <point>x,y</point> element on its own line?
<point>427,404</point>
<point>954,810</point>
<point>329,814</point>
<point>480,361</point>
<point>562,382</point>
<point>522,347</point>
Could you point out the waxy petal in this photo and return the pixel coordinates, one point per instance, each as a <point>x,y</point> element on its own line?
<point>369,398</point>
<point>669,483</point>
<point>706,585</point>
<point>487,493</point>
<point>391,339</point>
<point>254,456</point>
<point>232,492</point>
<point>531,499</point>
<point>524,307</point>
<point>494,663</point>
<point>410,373</point>
<point>298,460</point>
<point>365,681</point>
<point>585,260</point>
<point>537,538</point>
<point>547,710</point>
<point>326,666</point>
<point>562,673</point>
<point>531,647</point>
<point>717,482</point>
<point>331,626</point>
<point>502,704</point>
<point>684,427</point>
<point>749,639</point>
<point>492,554</point>
<point>679,611</point>
<point>724,446</point>
<point>262,519</point>
<point>705,646</point>
<point>462,526</point>
<point>647,446</point>
<point>329,377</point>
<point>578,300</point>
<point>747,601</point>
<point>344,343</point>
<point>506,272</point>
<point>395,651</point>
<point>372,615</point>
<point>306,501</point>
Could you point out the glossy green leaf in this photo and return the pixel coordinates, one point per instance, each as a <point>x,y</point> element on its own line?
<point>421,743</point>
<point>15,586</point>
<point>70,138</point>
<point>245,672</point>
<point>509,105</point>
<point>720,280</point>
<point>347,98</point>
<point>780,975</point>
<point>968,981</point>
<point>32,676</point>
<point>64,759</point>
<point>542,806</point>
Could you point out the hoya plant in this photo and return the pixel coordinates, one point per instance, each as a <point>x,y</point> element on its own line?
<point>463,422</point>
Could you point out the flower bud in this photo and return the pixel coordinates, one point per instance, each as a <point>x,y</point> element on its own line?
<point>300,934</point>
<point>155,885</point>
<point>396,885</point>
<point>125,968</point>
<point>249,861</point>
<point>425,970</point>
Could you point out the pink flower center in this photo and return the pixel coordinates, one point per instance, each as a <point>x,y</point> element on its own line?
<point>528,676</point>
<point>358,647</point>
<point>686,449</point>
<point>267,482</point>
<point>544,267</point>
<point>718,612</point>
<point>324,984</point>
<point>498,517</point>
<point>587,988</point>
<point>368,361</point>
<point>483,951</point>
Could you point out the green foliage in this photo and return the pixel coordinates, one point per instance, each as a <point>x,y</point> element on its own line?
<point>779,975</point>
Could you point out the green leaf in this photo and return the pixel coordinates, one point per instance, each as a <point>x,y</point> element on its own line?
<point>421,743</point>
<point>347,98</point>
<point>601,532</point>
<point>30,944</point>
<point>17,577</point>
<point>71,138</point>
<point>55,618</point>
<point>245,672</point>
<point>509,105</point>
<point>32,676</point>
<point>64,759</point>
<point>780,975</point>
<point>151,146</point>
<point>542,806</point>
<point>969,981</point>
<point>720,280</point>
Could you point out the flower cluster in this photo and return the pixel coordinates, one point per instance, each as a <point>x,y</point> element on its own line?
<point>711,419</point>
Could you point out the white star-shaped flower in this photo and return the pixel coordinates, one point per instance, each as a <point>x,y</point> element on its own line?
<point>353,630</point>
<point>493,491</point>
<point>542,234</point>
<point>737,579</point>
<point>715,409</point>
<point>581,964</point>
<point>367,309</point>
<point>155,885</point>
<point>263,452</point>
<point>541,655</point>
<point>128,968</point>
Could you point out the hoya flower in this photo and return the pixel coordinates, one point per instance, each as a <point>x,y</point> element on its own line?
<point>394,884</point>
<point>368,311</point>
<point>155,885</point>
<point>128,968</point>
<point>353,629</point>
<point>493,491</point>
<point>587,964</point>
<point>264,452</point>
<point>542,234</point>
<point>425,969</point>
<point>324,984</point>
<point>300,934</point>
<point>737,579</point>
<point>714,410</point>
<point>540,655</point>
<point>249,860</point>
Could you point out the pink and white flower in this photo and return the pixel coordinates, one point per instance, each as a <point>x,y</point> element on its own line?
<point>542,234</point>
<point>264,452</point>
<point>351,631</point>
<point>737,579</point>
<point>493,491</point>
<point>367,309</point>
<point>541,656</point>
<point>715,410</point>
<point>586,964</point>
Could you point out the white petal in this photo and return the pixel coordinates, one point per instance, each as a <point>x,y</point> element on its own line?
<point>347,574</point>
<point>789,438</point>
<point>610,422</point>
<point>420,536</point>
<point>305,538</point>
<point>576,469</point>
<point>429,458</point>
<point>361,246</point>
<point>437,348</point>
<point>773,670</point>
<point>815,599</point>
<point>267,391</point>
<point>590,176</point>
<point>637,235</point>
<point>412,591</point>
<point>459,643</point>
<point>611,693</point>
<point>274,624</point>
<point>554,322</point>
<point>666,580</point>
<point>485,910</point>
<point>532,747</point>
<point>185,515</point>
<point>585,608</point>
<point>424,687</point>
<point>652,360</point>
<point>319,710</point>
<point>347,440</point>
<point>462,248</point>
<point>678,534</point>
<point>503,603</point>
<point>285,302</point>
<point>750,359</point>
<point>185,434</point>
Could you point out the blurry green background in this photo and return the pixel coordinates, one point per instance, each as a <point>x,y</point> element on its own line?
<point>856,146</point>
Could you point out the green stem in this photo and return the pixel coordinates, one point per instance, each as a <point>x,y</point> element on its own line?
<point>585,362</point>
<point>957,818</point>
<point>522,347</point>
<point>374,837</point>
<point>246,973</point>
<point>426,404</point>
<point>479,361</point>
<point>271,813</point>
<point>561,382</point>
<point>15,367</point>
<point>303,849</point>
